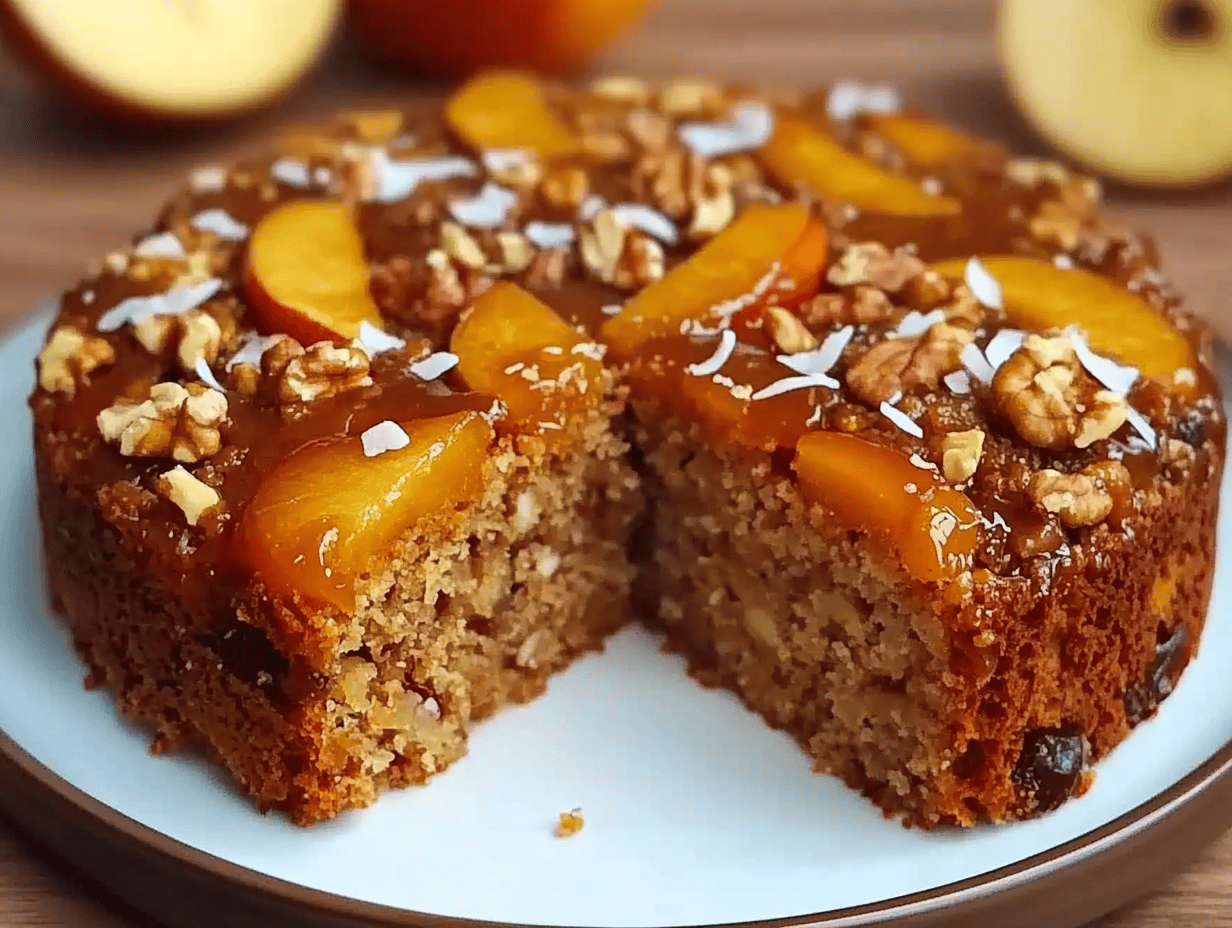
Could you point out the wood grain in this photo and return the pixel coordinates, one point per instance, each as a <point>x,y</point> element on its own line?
<point>72,188</point>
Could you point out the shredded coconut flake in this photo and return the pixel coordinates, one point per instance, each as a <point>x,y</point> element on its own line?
<point>375,341</point>
<point>787,384</point>
<point>206,376</point>
<point>382,437</point>
<point>434,365</point>
<point>1064,262</point>
<point>1003,345</point>
<point>901,419</point>
<point>983,285</point>
<point>499,160</point>
<point>590,206</point>
<point>612,309</point>
<point>714,363</point>
<point>592,350</point>
<point>648,219</point>
<point>847,98</point>
<point>917,323</point>
<point>171,303</point>
<point>1114,376</point>
<point>487,209</point>
<point>958,381</point>
<point>823,357</point>
<point>549,234</point>
<point>162,245</point>
<point>221,223</point>
<point>976,364</point>
<point>1142,427</point>
<point>292,172</point>
<point>250,352</point>
<point>922,464</point>
<point>397,180</point>
<point>749,127</point>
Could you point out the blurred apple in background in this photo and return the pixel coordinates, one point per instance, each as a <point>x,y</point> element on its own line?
<point>1138,90</point>
<point>174,59</point>
<point>458,37</point>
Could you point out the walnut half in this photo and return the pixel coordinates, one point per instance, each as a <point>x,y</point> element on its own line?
<point>181,423</point>
<point>1079,499</point>
<point>1050,400</point>
<point>898,364</point>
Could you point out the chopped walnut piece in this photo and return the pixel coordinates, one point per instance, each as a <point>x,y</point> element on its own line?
<point>1055,225</point>
<point>788,332</point>
<point>547,269</point>
<point>1050,400</point>
<point>69,357</point>
<point>898,364</point>
<point>621,89</point>
<point>641,262</point>
<point>184,490</point>
<point>324,369</point>
<point>191,336</point>
<point>960,454</point>
<point>602,244</point>
<point>460,245</point>
<point>201,338</point>
<point>690,98</point>
<point>516,251</point>
<point>873,263</point>
<point>1078,499</point>
<point>182,423</point>
<point>861,305</point>
<point>565,187</point>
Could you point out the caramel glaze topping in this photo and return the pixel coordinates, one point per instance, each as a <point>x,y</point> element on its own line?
<point>923,362</point>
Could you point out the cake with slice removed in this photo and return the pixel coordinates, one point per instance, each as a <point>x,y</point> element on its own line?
<point>892,434</point>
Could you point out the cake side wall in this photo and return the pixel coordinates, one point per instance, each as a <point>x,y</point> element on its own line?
<point>1070,660</point>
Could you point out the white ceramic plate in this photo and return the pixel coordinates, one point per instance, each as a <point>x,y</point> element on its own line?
<point>696,812</point>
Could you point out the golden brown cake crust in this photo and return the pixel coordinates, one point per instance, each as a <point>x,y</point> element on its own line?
<point>950,522</point>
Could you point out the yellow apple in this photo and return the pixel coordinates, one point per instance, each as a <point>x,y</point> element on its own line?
<point>1139,90</point>
<point>173,59</point>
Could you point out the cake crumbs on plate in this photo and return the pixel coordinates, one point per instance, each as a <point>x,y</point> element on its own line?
<point>569,823</point>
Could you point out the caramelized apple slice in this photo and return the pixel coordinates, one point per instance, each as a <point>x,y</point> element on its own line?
<point>801,152</point>
<point>1039,295</point>
<point>735,270</point>
<point>327,510</point>
<point>306,273</point>
<point>513,346</point>
<point>798,279</point>
<point>506,109</point>
<point>931,527</point>
<point>923,142</point>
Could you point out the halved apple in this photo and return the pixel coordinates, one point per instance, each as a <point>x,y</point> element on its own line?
<point>515,347</point>
<point>1038,295</point>
<point>306,273</point>
<point>931,527</point>
<point>800,151</point>
<point>178,61</point>
<point>324,512</point>
<point>506,109</point>
<point>1136,89</point>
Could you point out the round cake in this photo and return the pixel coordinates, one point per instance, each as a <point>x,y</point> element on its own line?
<point>894,435</point>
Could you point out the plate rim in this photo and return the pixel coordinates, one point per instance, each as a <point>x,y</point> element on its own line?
<point>29,788</point>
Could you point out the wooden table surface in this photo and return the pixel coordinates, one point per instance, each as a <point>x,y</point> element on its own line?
<point>72,188</point>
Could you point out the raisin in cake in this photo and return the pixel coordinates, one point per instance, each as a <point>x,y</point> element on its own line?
<point>892,434</point>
